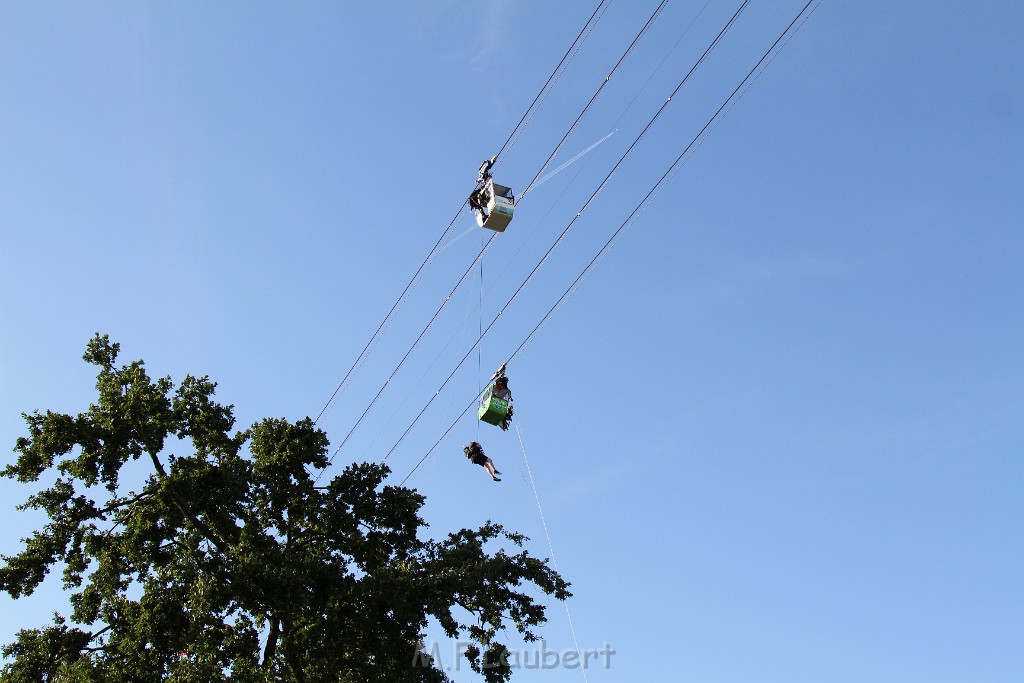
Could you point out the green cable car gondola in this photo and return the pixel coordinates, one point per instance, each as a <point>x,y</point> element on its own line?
<point>493,409</point>
<point>496,401</point>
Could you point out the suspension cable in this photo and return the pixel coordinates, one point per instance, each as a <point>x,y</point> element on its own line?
<point>597,92</point>
<point>423,333</point>
<point>613,130</point>
<point>648,198</point>
<point>554,82</point>
<point>566,58</point>
<point>387,317</point>
<point>659,186</point>
<point>579,213</point>
<point>461,335</point>
<point>480,255</point>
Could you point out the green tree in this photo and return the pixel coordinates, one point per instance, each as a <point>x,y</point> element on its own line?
<point>229,563</point>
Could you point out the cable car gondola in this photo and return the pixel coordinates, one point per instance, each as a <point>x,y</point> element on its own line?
<point>492,203</point>
<point>496,401</point>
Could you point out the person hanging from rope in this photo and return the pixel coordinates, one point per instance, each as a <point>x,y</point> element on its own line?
<point>501,391</point>
<point>475,452</point>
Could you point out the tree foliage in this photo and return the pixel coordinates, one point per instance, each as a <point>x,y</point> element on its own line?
<point>230,563</point>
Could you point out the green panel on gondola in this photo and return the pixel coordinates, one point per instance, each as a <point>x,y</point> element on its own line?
<point>492,409</point>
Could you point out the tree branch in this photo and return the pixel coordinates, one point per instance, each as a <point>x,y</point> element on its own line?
<point>294,663</point>
<point>184,508</point>
<point>271,647</point>
<point>116,506</point>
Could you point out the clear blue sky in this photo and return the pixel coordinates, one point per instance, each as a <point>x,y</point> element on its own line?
<point>777,434</point>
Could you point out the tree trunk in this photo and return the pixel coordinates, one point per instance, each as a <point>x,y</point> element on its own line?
<point>271,648</point>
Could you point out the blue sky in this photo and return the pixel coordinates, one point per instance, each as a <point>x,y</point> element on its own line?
<point>776,434</point>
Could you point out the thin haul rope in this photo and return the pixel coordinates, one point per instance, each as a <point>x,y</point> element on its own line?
<point>551,547</point>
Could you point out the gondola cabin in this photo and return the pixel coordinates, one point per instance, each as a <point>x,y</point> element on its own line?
<point>492,409</point>
<point>500,205</point>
